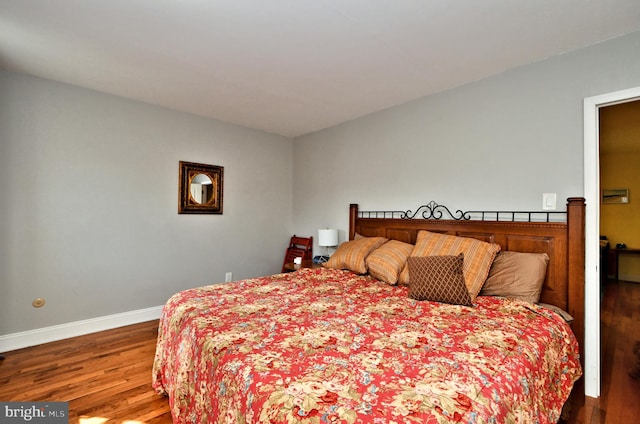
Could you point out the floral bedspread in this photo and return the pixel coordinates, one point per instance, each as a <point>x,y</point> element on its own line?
<point>321,345</point>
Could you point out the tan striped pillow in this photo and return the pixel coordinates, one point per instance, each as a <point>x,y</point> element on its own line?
<point>386,262</point>
<point>351,255</point>
<point>478,256</point>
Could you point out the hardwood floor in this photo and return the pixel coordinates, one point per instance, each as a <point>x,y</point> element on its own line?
<point>619,400</point>
<point>106,377</point>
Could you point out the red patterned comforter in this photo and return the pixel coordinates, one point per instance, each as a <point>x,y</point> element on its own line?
<point>323,345</point>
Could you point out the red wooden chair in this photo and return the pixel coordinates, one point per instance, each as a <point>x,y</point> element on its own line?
<point>299,247</point>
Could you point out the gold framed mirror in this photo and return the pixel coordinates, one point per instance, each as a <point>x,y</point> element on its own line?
<point>200,188</point>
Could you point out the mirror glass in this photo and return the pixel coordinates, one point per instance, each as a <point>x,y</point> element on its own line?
<point>201,189</point>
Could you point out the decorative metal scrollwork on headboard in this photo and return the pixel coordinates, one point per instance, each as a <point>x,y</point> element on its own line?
<point>433,210</point>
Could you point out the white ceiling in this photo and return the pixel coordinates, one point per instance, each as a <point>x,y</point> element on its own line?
<point>292,67</point>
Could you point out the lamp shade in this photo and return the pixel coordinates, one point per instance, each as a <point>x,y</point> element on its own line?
<point>327,238</point>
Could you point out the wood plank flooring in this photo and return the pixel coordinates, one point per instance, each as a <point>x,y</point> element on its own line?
<point>619,400</point>
<point>106,376</point>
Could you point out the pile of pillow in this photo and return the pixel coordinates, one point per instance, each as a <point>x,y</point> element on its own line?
<point>445,268</point>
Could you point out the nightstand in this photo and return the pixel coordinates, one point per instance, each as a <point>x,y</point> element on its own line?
<point>289,267</point>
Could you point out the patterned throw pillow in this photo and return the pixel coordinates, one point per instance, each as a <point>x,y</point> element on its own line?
<point>386,262</point>
<point>439,279</point>
<point>478,256</point>
<point>351,255</point>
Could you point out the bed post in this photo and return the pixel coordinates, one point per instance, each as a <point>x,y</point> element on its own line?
<point>353,214</point>
<point>576,274</point>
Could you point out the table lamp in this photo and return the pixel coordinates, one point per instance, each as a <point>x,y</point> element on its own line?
<point>327,238</point>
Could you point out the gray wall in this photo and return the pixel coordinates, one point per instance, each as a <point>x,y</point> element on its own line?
<point>498,143</point>
<point>88,203</point>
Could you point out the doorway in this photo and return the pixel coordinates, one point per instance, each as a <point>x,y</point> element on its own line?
<point>619,146</point>
<point>592,231</point>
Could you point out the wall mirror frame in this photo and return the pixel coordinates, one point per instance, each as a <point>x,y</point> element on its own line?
<point>200,188</point>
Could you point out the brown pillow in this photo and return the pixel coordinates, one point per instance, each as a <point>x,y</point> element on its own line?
<point>517,275</point>
<point>351,255</point>
<point>386,262</point>
<point>439,279</point>
<point>478,256</point>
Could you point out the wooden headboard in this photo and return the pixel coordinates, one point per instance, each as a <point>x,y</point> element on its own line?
<point>563,240</point>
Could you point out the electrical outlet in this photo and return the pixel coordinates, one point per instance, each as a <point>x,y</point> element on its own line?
<point>228,277</point>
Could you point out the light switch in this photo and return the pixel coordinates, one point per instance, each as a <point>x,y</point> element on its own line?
<point>549,201</point>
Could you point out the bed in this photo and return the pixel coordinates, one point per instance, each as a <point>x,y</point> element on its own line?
<point>335,344</point>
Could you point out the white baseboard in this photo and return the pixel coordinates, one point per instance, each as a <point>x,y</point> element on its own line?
<point>78,328</point>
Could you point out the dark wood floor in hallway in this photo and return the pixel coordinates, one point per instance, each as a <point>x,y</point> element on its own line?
<point>106,376</point>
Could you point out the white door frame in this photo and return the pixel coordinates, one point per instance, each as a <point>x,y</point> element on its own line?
<point>592,232</point>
